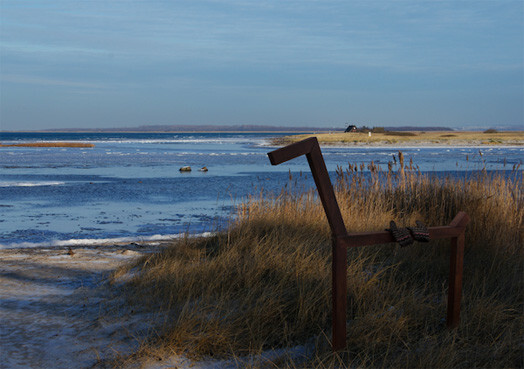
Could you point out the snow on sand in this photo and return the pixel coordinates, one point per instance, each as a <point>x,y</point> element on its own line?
<point>56,313</point>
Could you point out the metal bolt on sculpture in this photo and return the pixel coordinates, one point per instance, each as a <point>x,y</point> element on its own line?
<point>341,239</point>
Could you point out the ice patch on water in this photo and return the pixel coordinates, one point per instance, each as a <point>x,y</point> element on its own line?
<point>30,184</point>
<point>183,140</point>
<point>100,241</point>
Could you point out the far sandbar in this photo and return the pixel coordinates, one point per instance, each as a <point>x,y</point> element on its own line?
<point>411,138</point>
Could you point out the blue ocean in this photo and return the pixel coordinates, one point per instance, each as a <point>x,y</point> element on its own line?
<point>128,187</point>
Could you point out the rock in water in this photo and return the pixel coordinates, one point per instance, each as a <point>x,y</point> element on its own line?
<point>185,169</point>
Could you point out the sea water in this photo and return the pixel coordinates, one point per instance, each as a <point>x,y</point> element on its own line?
<point>129,188</point>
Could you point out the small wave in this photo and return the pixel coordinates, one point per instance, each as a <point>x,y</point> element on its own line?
<point>30,184</point>
<point>99,241</point>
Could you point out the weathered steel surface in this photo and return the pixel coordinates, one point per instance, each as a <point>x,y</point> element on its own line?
<point>455,281</point>
<point>380,237</point>
<point>341,240</point>
<point>338,294</point>
<point>291,151</point>
<point>311,149</point>
<point>456,261</point>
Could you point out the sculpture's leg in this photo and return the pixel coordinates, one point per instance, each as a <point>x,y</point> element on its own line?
<point>455,280</point>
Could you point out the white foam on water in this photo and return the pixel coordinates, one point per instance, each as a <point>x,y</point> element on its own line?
<point>31,184</point>
<point>100,241</point>
<point>190,140</point>
<point>265,142</point>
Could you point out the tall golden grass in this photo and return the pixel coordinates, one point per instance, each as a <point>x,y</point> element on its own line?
<point>265,281</point>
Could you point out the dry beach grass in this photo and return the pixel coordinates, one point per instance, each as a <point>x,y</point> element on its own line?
<point>265,281</point>
<point>412,138</point>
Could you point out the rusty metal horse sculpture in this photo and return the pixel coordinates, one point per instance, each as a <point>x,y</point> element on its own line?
<point>341,239</point>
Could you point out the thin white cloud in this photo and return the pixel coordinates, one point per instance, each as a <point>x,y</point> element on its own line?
<point>395,35</point>
<point>32,80</point>
<point>161,52</point>
<point>24,47</point>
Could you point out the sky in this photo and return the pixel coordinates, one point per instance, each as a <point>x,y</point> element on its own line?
<point>120,63</point>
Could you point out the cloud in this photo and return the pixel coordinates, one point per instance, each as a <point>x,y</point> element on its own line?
<point>396,35</point>
<point>198,51</point>
<point>33,80</point>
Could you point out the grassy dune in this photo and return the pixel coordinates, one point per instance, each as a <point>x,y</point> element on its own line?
<point>50,144</point>
<point>265,282</point>
<point>411,138</point>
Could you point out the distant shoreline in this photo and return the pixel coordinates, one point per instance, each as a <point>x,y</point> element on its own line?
<point>401,139</point>
<point>220,128</point>
<point>269,132</point>
<point>411,139</point>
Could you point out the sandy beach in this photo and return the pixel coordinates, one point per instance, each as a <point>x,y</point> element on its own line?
<point>57,312</point>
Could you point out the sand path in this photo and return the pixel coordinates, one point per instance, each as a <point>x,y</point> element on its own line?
<point>56,313</point>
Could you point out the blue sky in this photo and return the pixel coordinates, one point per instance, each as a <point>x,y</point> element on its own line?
<point>290,63</point>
